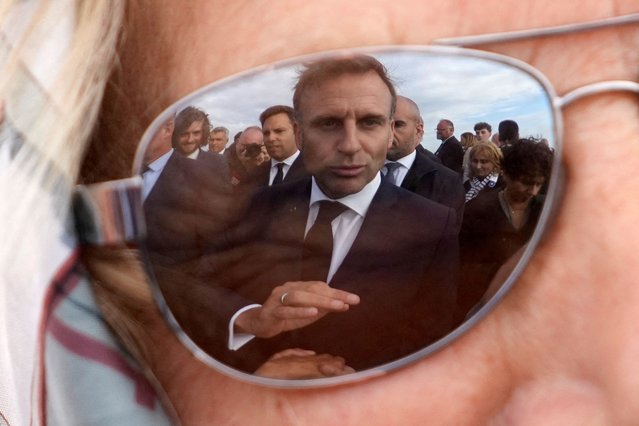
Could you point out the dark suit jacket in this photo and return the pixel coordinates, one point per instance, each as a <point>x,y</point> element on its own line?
<point>487,240</point>
<point>187,207</point>
<point>403,271</point>
<point>436,182</point>
<point>452,154</point>
<point>295,172</point>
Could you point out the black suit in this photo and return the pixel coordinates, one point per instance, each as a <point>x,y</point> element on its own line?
<point>403,271</point>
<point>187,206</point>
<point>435,182</point>
<point>295,172</point>
<point>451,153</point>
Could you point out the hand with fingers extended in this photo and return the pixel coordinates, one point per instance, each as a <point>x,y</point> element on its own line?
<point>303,364</point>
<point>294,305</point>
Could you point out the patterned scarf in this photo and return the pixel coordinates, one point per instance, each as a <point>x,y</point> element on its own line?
<point>477,185</point>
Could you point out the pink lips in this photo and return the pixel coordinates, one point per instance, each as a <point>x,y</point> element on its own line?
<point>347,171</point>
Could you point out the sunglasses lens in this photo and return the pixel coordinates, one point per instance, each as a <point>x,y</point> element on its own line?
<point>239,254</point>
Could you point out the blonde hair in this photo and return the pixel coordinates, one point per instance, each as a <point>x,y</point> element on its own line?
<point>55,124</point>
<point>468,140</point>
<point>492,152</point>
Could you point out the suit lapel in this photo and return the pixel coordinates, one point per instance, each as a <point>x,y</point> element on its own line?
<point>370,239</point>
<point>419,168</point>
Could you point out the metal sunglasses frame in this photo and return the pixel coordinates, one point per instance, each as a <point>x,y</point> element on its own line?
<point>111,213</point>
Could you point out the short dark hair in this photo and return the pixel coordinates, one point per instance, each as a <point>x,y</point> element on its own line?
<point>483,125</point>
<point>508,131</point>
<point>277,109</point>
<point>184,119</point>
<point>527,159</point>
<point>319,71</point>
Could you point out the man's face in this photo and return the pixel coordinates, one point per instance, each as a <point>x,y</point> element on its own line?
<point>279,136</point>
<point>408,130</point>
<point>443,131</point>
<point>191,138</point>
<point>345,131</point>
<point>249,137</point>
<point>217,141</point>
<point>483,135</point>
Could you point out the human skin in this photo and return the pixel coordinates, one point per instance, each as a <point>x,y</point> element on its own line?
<point>345,131</point>
<point>481,164</point>
<point>561,347</point>
<point>407,132</point>
<point>217,141</point>
<point>191,138</point>
<point>279,137</point>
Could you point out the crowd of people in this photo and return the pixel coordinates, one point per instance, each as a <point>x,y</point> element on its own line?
<point>304,225</point>
<point>83,341</point>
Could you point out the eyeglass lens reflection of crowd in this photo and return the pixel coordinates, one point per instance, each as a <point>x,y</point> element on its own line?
<point>415,243</point>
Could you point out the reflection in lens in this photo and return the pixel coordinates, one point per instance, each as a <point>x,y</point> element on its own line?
<point>290,256</point>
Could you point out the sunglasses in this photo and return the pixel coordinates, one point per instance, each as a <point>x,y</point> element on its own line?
<point>219,245</point>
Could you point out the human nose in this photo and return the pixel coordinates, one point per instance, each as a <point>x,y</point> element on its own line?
<point>349,142</point>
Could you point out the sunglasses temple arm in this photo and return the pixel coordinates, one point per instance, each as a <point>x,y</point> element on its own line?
<point>595,89</point>
<point>110,213</point>
<point>505,37</point>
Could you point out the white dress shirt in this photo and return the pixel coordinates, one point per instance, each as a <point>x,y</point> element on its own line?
<point>345,228</point>
<point>405,163</point>
<point>287,165</point>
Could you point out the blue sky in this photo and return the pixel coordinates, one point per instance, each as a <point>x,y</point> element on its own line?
<point>463,89</point>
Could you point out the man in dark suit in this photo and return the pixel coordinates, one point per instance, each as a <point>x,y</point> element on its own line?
<point>450,151</point>
<point>413,170</point>
<point>386,286</point>
<point>192,126</point>
<point>286,162</point>
<point>185,201</point>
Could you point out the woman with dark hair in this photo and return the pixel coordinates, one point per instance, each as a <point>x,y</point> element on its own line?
<point>499,221</point>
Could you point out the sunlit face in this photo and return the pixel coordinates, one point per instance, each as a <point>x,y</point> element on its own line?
<point>407,132</point>
<point>522,191</point>
<point>481,164</point>
<point>345,131</point>
<point>483,135</point>
<point>443,131</point>
<point>191,138</point>
<point>217,141</point>
<point>279,136</point>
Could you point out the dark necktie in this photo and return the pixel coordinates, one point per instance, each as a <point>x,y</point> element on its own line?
<point>279,176</point>
<point>390,172</point>
<point>318,244</point>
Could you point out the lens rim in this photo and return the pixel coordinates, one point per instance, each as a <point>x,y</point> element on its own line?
<point>553,200</point>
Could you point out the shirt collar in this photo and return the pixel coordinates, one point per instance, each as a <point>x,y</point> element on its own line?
<point>288,161</point>
<point>407,160</point>
<point>159,163</point>
<point>358,202</point>
<point>194,154</point>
